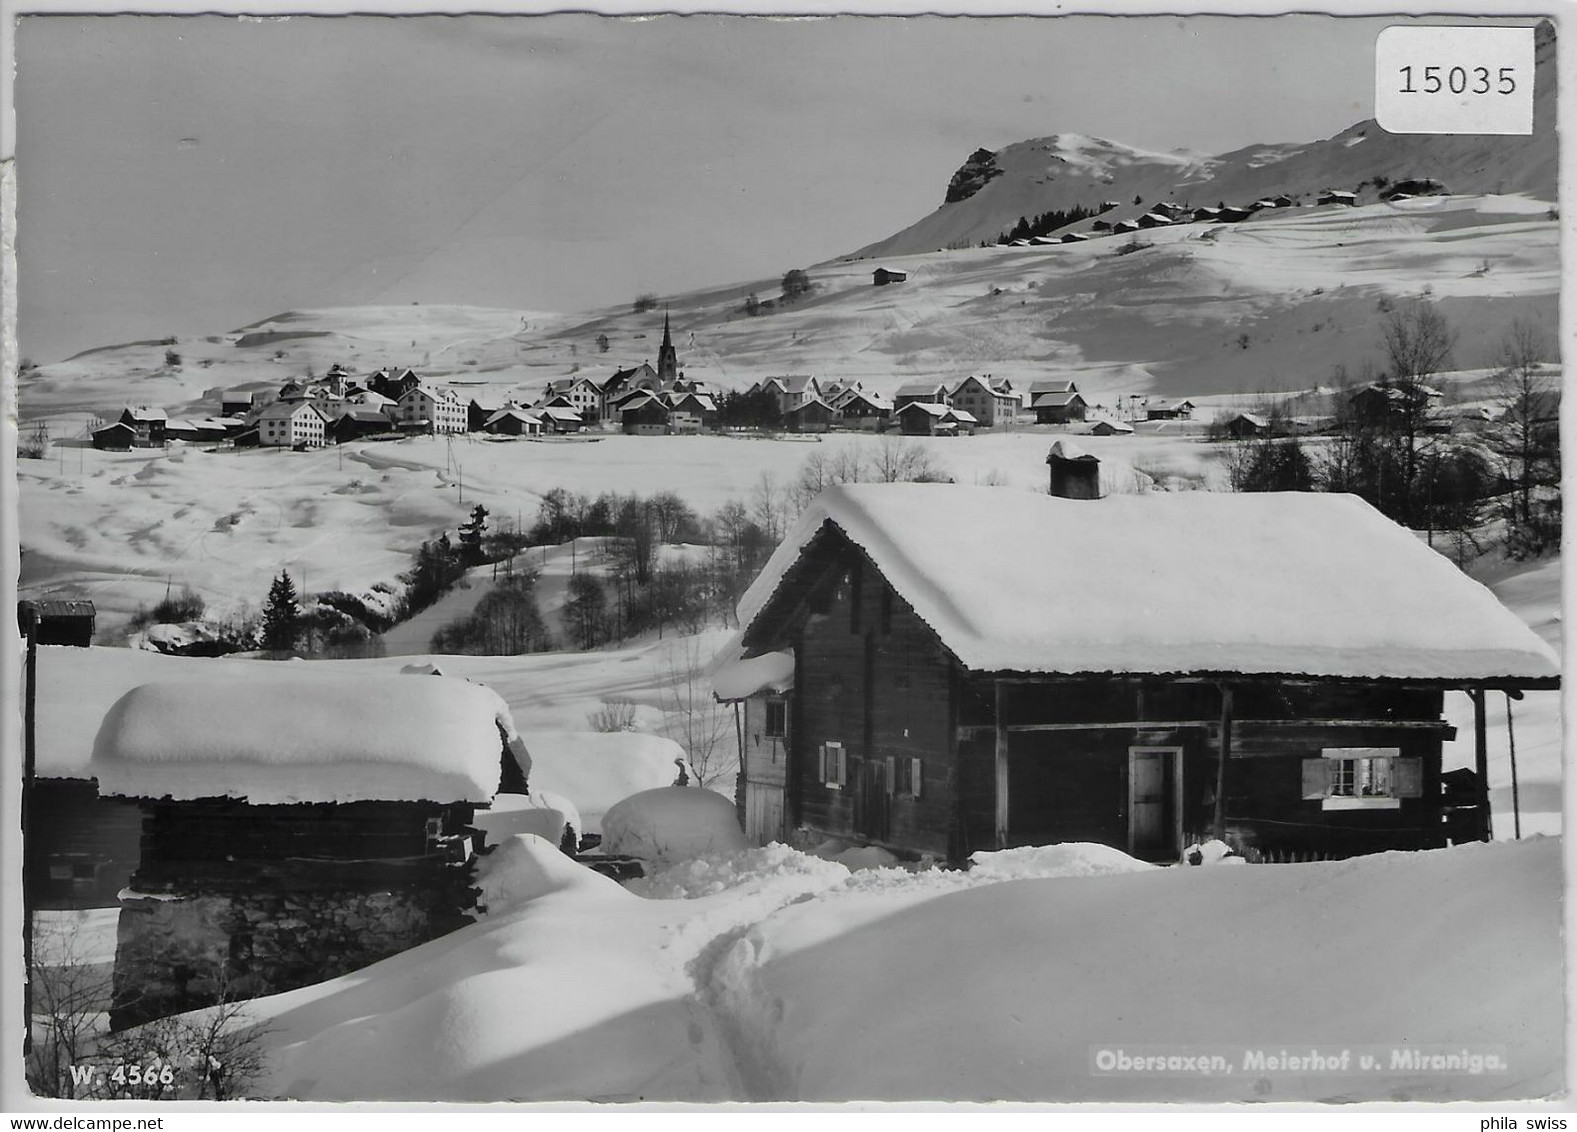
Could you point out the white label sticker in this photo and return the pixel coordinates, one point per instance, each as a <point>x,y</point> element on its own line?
<point>1454,80</point>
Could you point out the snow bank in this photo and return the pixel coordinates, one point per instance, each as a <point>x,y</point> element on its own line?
<point>713,873</point>
<point>1321,585</point>
<point>672,824</point>
<point>1071,859</point>
<point>596,770</point>
<point>749,676</point>
<point>303,737</point>
<point>525,867</point>
<point>539,813</point>
<point>833,1002</point>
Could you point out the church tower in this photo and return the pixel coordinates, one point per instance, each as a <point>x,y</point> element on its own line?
<point>667,359</point>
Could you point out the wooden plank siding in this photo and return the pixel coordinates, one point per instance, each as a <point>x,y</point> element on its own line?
<point>880,685</point>
<point>872,676</point>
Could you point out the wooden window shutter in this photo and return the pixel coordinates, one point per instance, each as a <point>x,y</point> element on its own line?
<point>915,777</point>
<point>843,765</point>
<point>827,767</point>
<point>1407,777</point>
<point>892,776</point>
<point>1316,778</point>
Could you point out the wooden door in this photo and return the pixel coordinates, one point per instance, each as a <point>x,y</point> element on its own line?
<point>871,800</point>
<point>763,813</point>
<point>1155,803</point>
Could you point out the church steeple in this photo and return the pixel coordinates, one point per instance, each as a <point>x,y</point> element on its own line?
<point>667,358</point>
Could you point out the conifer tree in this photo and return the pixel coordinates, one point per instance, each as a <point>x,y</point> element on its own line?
<point>281,615</point>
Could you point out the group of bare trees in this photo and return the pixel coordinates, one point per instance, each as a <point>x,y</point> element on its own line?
<point>1393,446</point>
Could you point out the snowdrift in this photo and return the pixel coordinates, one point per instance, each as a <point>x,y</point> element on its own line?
<point>1004,991</point>
<point>597,770</point>
<point>672,824</point>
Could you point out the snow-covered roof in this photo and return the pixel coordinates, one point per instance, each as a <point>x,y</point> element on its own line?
<point>929,407</point>
<point>963,415</point>
<point>919,388</point>
<point>1276,583</point>
<point>146,413</point>
<point>1053,400</point>
<point>315,737</point>
<point>1067,450</point>
<point>513,413</point>
<point>744,677</point>
<point>560,414</point>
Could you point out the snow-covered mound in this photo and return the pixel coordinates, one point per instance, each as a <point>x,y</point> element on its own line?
<point>304,738</point>
<point>1073,859</point>
<point>671,824</point>
<point>596,770</point>
<point>1006,991</point>
<point>540,813</point>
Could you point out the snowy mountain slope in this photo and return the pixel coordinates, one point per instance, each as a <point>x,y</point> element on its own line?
<point>1274,302</point>
<point>1063,171</point>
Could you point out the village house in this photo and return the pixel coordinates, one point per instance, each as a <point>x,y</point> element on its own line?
<point>1242,426</point>
<point>1385,403</point>
<point>433,408</point>
<point>559,419</point>
<point>513,421</point>
<point>1106,426</point>
<point>862,408</point>
<point>992,401</point>
<point>291,424</point>
<point>117,437</point>
<point>931,392</point>
<point>885,275</point>
<point>690,411</point>
<point>943,669</point>
<point>620,386</point>
<point>295,827</point>
<point>927,418</point>
<point>147,425</point>
<point>790,390</point>
<point>811,415</point>
<point>194,432</point>
<point>478,409</point>
<point>356,422</point>
<point>644,415</point>
<point>1335,196</point>
<point>580,394</point>
<point>1174,410</point>
<point>235,402</point>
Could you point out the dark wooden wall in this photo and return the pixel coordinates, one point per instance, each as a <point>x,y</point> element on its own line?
<point>72,829</point>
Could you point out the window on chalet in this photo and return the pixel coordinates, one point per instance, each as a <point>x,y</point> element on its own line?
<point>1362,778</point>
<point>834,766</point>
<point>905,777</point>
<point>777,719</point>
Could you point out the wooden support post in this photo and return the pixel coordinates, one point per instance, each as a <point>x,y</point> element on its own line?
<point>29,770</point>
<point>1481,765</point>
<point>1516,802</point>
<point>1218,825</point>
<point>1002,771</point>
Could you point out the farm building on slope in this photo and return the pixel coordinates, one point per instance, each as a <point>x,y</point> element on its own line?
<point>296,827</point>
<point>941,669</point>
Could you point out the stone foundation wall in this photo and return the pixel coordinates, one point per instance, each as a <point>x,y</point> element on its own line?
<point>183,950</point>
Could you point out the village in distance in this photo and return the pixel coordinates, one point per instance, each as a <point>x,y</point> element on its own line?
<point>1132,589</point>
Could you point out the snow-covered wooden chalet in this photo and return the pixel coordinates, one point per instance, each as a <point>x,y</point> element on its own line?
<point>295,827</point>
<point>941,669</point>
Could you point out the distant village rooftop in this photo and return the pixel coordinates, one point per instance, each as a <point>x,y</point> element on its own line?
<point>312,737</point>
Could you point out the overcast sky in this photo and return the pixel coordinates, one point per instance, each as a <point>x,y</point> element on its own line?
<point>187,175</point>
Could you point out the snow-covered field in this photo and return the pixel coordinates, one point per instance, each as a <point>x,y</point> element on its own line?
<point>789,978</point>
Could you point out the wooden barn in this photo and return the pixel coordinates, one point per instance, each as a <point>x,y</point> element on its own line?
<point>811,415</point>
<point>1242,426</point>
<point>294,827</point>
<point>644,415</point>
<point>513,421</point>
<point>980,668</point>
<point>1178,410</point>
<point>117,437</point>
<point>1058,408</point>
<point>885,275</point>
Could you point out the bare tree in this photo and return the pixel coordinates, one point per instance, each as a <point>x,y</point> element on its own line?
<point>897,460</point>
<point>1527,440</point>
<point>695,720</point>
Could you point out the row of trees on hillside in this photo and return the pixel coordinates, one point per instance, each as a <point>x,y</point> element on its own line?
<point>1404,462</point>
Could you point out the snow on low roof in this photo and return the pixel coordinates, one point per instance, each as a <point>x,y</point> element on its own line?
<point>743,677</point>
<point>1277,583</point>
<point>315,737</point>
